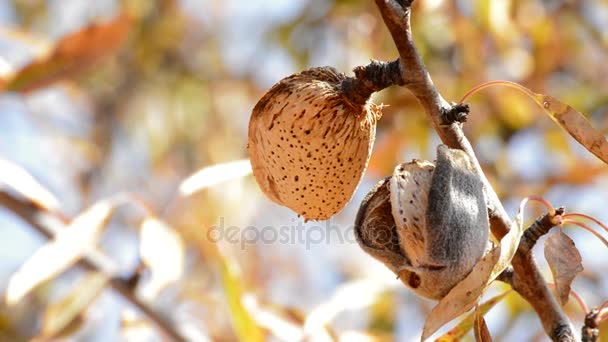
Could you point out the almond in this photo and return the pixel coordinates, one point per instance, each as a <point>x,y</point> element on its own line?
<point>309,144</point>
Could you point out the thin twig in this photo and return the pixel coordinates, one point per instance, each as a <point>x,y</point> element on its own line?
<point>538,228</point>
<point>415,77</point>
<point>32,214</point>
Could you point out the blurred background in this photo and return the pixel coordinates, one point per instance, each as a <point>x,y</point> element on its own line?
<point>132,97</point>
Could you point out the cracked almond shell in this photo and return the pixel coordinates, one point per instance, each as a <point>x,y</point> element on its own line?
<point>309,144</point>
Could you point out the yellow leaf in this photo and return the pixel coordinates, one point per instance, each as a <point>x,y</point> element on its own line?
<point>64,250</point>
<point>575,123</point>
<point>244,324</point>
<point>460,330</point>
<point>463,296</point>
<point>60,314</point>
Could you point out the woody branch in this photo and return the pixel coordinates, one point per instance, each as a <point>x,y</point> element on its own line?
<point>410,72</point>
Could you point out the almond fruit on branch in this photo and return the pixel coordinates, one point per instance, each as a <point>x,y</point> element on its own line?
<point>428,223</point>
<point>311,137</point>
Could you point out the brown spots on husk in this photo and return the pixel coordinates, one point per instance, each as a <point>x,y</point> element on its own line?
<point>312,142</point>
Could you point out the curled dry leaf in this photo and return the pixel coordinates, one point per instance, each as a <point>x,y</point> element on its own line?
<point>309,144</point>
<point>565,263</point>
<point>576,124</point>
<point>214,174</point>
<point>572,121</point>
<point>462,328</point>
<point>72,54</point>
<point>21,181</point>
<point>463,296</point>
<point>64,250</point>
<point>162,250</point>
<point>482,333</point>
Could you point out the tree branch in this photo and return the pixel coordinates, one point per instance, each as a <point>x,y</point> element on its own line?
<point>525,280</point>
<point>33,214</point>
<point>415,77</point>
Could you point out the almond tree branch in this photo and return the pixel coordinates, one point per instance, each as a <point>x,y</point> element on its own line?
<point>33,215</point>
<point>415,77</point>
<point>520,281</point>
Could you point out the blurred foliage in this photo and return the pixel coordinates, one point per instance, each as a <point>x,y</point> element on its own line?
<point>168,89</point>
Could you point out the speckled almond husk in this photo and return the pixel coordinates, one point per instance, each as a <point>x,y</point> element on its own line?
<point>309,145</point>
<point>409,188</point>
<point>394,224</point>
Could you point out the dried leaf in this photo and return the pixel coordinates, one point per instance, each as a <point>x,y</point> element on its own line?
<point>575,123</point>
<point>466,293</point>
<point>460,330</point>
<point>162,250</point>
<point>244,324</point>
<point>215,174</point>
<point>68,246</point>
<point>482,333</point>
<point>565,263</point>
<point>60,314</point>
<point>72,54</point>
<point>21,181</point>
<point>463,296</point>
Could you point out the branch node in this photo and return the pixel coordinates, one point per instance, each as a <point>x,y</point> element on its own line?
<point>590,331</point>
<point>375,76</point>
<point>457,113</point>
<point>540,227</point>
